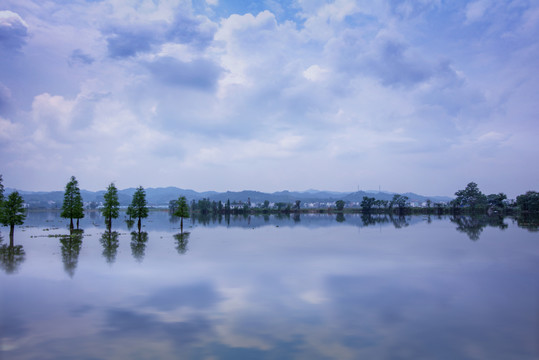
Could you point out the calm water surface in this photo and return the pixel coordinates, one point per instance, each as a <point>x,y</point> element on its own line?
<point>309,287</point>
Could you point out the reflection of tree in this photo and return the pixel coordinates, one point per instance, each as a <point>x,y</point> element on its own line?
<point>528,221</point>
<point>340,217</point>
<point>11,257</point>
<point>110,243</point>
<point>398,222</point>
<point>473,225</point>
<point>182,239</point>
<point>297,218</point>
<point>369,219</point>
<point>70,248</point>
<point>138,244</point>
<point>130,223</point>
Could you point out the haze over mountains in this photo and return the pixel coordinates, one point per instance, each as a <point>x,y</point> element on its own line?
<point>162,196</point>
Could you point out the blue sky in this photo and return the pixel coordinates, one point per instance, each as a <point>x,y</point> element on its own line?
<point>421,96</point>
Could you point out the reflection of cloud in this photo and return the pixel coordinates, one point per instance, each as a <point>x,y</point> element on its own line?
<point>129,323</point>
<point>198,296</point>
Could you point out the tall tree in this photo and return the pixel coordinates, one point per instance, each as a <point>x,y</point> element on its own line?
<point>182,210</point>
<point>471,196</point>
<point>13,213</point>
<point>72,208</point>
<point>340,205</point>
<point>111,207</point>
<point>138,208</point>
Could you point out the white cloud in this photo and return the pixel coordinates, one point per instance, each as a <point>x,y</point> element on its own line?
<point>336,87</point>
<point>475,10</point>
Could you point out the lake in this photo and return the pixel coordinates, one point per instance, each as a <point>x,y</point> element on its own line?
<point>314,286</point>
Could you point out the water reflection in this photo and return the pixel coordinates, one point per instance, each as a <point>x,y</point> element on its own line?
<point>528,221</point>
<point>138,244</point>
<point>473,225</point>
<point>70,246</point>
<point>182,240</point>
<point>109,241</point>
<point>11,256</point>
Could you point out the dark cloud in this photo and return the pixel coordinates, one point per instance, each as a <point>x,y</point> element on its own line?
<point>13,31</point>
<point>79,57</point>
<point>131,41</point>
<point>198,296</point>
<point>201,74</point>
<point>190,30</point>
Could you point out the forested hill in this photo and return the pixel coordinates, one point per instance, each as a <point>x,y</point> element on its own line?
<point>162,196</point>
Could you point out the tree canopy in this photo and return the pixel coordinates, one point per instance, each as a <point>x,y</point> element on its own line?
<point>111,206</point>
<point>13,212</point>
<point>471,196</point>
<point>182,210</point>
<point>138,208</point>
<point>72,207</point>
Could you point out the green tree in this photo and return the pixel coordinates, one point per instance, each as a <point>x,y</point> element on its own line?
<point>111,206</point>
<point>400,201</point>
<point>13,213</point>
<point>528,202</point>
<point>182,210</point>
<point>367,203</point>
<point>496,201</point>
<point>138,208</point>
<point>298,205</point>
<point>339,204</point>
<point>72,207</point>
<point>470,197</point>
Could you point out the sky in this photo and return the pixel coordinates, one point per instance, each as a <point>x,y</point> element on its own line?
<point>422,96</point>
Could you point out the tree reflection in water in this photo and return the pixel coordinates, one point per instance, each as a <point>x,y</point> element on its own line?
<point>138,245</point>
<point>11,257</point>
<point>182,239</point>
<point>528,221</point>
<point>473,225</point>
<point>110,243</point>
<point>70,246</point>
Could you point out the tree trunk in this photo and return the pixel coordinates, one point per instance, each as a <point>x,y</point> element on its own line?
<point>11,232</point>
<point>109,223</point>
<point>71,224</point>
<point>77,224</point>
<point>139,224</point>
<point>181,225</point>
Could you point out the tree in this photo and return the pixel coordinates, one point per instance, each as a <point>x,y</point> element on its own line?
<point>339,204</point>
<point>470,197</point>
<point>298,205</point>
<point>182,210</point>
<point>496,201</point>
<point>72,207</point>
<point>13,213</point>
<point>111,207</point>
<point>529,202</point>
<point>400,201</point>
<point>138,208</point>
<point>367,203</point>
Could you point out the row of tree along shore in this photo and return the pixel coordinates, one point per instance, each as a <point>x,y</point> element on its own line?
<point>468,201</point>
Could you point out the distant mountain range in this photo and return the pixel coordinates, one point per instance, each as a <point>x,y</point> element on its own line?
<point>162,196</point>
